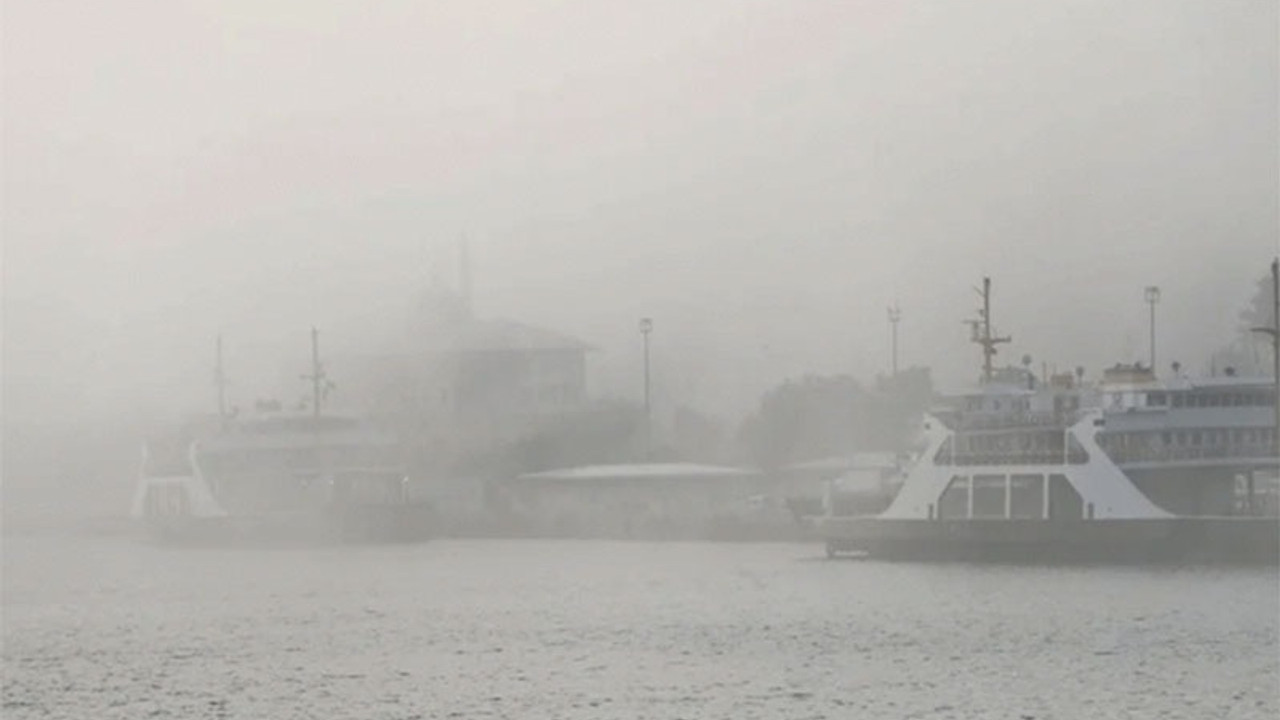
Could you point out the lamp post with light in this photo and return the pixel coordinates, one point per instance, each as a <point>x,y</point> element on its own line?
<point>1274,332</point>
<point>646,327</point>
<point>1152,296</point>
<point>894,316</point>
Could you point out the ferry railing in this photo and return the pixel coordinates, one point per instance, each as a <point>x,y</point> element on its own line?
<point>1009,421</point>
<point>1073,457</point>
<point>1176,454</point>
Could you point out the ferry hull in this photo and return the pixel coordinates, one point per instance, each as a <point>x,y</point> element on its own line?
<point>1159,540</point>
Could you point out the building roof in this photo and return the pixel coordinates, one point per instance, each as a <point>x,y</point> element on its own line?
<point>651,471</point>
<point>509,335</point>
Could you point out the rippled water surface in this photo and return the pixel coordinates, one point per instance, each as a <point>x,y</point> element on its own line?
<point>106,628</point>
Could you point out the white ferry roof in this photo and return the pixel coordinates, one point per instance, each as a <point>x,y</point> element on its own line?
<point>999,389</point>
<point>604,473</point>
<point>1185,382</point>
<point>277,431</point>
<point>1231,381</point>
<point>860,481</point>
<point>867,460</point>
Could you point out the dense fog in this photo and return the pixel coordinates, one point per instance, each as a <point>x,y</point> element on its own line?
<point>762,179</point>
<point>603,359</point>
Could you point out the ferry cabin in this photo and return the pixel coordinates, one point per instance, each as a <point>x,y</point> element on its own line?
<point>1202,446</point>
<point>285,463</point>
<point>1007,451</point>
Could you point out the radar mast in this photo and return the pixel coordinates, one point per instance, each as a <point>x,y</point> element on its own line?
<point>981,332</point>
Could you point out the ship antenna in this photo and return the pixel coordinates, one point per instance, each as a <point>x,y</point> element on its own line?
<point>982,333</point>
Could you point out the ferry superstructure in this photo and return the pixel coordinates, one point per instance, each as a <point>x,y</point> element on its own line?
<point>1195,446</point>
<point>1019,468</point>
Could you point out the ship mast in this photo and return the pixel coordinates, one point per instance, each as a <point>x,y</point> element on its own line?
<point>981,330</point>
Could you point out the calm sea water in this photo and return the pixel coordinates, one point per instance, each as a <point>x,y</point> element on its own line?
<point>110,628</point>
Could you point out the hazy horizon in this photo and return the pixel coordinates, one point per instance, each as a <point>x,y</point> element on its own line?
<point>763,179</point>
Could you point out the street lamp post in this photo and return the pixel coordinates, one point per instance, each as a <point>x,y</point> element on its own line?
<point>646,327</point>
<point>894,316</point>
<point>1152,296</point>
<point>1274,332</point>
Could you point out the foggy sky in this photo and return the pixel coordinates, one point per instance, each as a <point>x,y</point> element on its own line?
<point>762,178</point>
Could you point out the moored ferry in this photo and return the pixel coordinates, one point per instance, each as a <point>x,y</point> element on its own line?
<point>1125,469</point>
<point>277,476</point>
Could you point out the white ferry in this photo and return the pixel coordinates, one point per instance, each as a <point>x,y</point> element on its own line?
<point>277,476</point>
<point>1128,469</point>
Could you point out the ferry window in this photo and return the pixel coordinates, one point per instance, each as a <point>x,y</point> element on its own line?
<point>1065,502</point>
<point>1167,437</point>
<point>1026,496</point>
<point>1177,401</point>
<point>988,496</point>
<point>943,456</point>
<point>1195,438</point>
<point>1076,454</point>
<point>954,502</point>
<point>1156,399</point>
